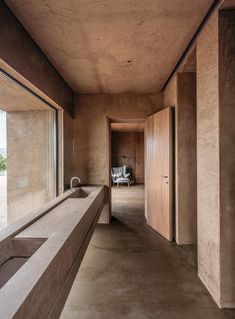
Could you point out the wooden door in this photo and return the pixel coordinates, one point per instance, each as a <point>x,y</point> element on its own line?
<point>158,172</point>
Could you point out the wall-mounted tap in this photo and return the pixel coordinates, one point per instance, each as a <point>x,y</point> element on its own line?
<point>71,182</point>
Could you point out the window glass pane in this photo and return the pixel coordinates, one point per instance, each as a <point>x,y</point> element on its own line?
<point>3,170</point>
<point>27,148</point>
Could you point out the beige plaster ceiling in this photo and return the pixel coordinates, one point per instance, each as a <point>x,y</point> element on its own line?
<point>112,46</point>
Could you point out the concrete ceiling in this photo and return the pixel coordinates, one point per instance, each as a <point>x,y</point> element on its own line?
<point>127,127</point>
<point>110,46</point>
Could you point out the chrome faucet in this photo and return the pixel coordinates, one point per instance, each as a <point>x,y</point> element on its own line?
<point>71,182</point>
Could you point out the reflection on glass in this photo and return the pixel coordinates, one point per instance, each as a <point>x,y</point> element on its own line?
<point>3,170</point>
<point>27,153</point>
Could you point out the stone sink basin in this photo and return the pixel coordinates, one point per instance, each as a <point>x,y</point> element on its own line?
<point>16,253</point>
<point>81,192</point>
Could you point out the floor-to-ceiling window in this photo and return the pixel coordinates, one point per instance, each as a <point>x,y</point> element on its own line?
<point>3,170</point>
<point>27,152</point>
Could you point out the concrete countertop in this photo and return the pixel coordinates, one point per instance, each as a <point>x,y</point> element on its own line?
<point>32,292</point>
<point>63,217</point>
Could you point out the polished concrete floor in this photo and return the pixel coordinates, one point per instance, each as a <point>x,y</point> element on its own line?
<point>129,271</point>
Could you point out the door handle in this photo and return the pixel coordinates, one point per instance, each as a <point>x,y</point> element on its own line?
<point>164,176</point>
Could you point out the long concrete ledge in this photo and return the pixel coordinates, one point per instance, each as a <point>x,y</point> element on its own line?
<point>52,243</point>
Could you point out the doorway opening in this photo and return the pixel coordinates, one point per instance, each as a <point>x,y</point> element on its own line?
<point>144,154</point>
<point>157,164</point>
<point>127,171</point>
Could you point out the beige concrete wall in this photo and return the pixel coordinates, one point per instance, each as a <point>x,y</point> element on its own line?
<point>186,172</point>
<point>227,155</point>
<point>181,93</point>
<point>170,92</point>
<point>216,149</point>
<point>19,52</point>
<point>30,170</point>
<point>215,160</point>
<point>208,190</point>
<point>91,135</point>
<point>68,148</point>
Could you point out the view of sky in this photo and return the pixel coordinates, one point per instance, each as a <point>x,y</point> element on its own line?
<point>2,129</point>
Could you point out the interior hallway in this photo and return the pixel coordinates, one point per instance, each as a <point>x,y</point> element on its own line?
<point>129,271</point>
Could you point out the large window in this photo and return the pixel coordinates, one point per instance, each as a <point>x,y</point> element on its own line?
<point>3,170</point>
<point>27,152</point>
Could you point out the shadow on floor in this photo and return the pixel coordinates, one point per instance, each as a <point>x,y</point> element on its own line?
<point>131,272</point>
